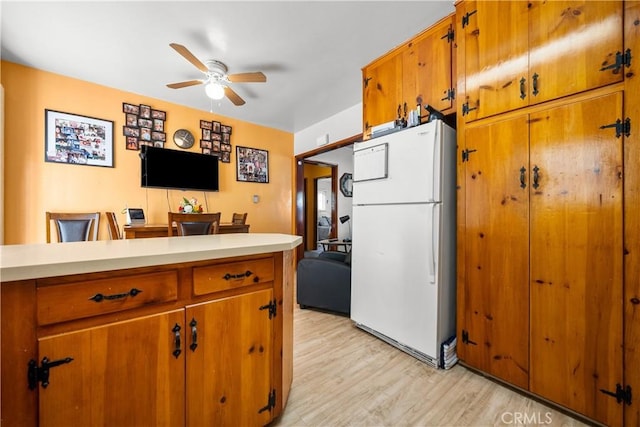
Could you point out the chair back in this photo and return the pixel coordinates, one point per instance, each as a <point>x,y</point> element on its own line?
<point>194,224</point>
<point>73,227</point>
<point>114,229</point>
<point>239,218</point>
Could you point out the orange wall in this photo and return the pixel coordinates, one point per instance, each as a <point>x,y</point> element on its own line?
<point>33,186</point>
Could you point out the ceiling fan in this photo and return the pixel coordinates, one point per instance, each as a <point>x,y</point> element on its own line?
<point>217,80</point>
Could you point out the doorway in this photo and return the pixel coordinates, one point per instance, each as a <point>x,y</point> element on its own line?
<point>302,197</point>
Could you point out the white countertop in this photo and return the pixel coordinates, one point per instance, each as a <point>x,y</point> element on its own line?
<point>20,262</point>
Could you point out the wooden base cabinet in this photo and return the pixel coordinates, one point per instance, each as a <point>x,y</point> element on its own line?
<point>205,345</point>
<point>542,302</point>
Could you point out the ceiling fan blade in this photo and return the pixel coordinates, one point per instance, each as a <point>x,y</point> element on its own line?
<point>233,97</point>
<point>189,56</point>
<point>256,77</point>
<point>184,84</point>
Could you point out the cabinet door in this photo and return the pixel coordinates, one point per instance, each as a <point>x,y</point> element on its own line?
<point>426,68</point>
<point>229,372</point>
<point>382,90</point>
<point>121,374</point>
<point>496,56</point>
<point>570,42</point>
<point>576,257</point>
<point>496,297</point>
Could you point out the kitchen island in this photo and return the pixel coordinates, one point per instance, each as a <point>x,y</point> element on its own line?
<point>193,330</point>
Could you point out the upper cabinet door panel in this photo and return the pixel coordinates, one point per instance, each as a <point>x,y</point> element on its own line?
<point>382,89</point>
<point>427,68</point>
<point>571,45</point>
<point>496,56</point>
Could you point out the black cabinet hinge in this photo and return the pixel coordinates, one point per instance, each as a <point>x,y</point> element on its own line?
<point>36,374</point>
<point>465,18</point>
<point>450,36</point>
<point>465,154</point>
<point>622,59</point>
<point>272,307</point>
<point>622,395</point>
<point>451,95</point>
<point>465,338</point>
<point>466,108</point>
<point>622,128</point>
<point>271,402</point>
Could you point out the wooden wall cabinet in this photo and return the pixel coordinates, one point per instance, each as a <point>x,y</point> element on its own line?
<point>205,349</point>
<point>543,299</point>
<point>419,71</point>
<point>524,53</point>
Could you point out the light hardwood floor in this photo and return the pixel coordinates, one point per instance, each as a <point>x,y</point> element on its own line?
<point>343,376</point>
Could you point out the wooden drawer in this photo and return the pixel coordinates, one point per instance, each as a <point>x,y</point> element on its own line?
<point>222,277</point>
<point>76,300</point>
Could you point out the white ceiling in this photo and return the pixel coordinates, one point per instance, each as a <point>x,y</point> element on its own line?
<point>312,52</point>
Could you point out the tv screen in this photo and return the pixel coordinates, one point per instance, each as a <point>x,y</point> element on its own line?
<point>185,170</point>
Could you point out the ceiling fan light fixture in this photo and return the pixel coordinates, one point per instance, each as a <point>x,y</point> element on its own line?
<point>214,90</point>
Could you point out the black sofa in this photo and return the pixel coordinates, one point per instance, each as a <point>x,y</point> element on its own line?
<point>324,282</point>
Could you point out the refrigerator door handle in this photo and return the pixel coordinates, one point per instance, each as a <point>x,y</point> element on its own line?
<point>433,262</point>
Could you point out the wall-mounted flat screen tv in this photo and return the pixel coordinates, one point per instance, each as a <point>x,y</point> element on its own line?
<point>185,170</point>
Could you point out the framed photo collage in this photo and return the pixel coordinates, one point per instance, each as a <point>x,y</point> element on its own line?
<point>216,140</point>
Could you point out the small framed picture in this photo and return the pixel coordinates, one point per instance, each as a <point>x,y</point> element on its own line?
<point>205,144</point>
<point>145,134</point>
<point>206,134</point>
<point>206,151</point>
<point>216,146</point>
<point>132,119</point>
<point>225,129</point>
<point>225,147</point>
<point>158,136</point>
<point>130,131</point>
<point>216,137</point>
<point>145,123</point>
<point>130,108</point>
<point>215,127</point>
<point>158,125</point>
<point>145,111</point>
<point>252,165</point>
<point>226,138</point>
<point>160,115</point>
<point>158,144</point>
<point>205,124</point>
<point>226,157</point>
<point>147,143</point>
<point>132,143</point>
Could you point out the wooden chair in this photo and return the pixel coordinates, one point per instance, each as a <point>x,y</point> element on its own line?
<point>239,218</point>
<point>193,224</point>
<point>73,227</point>
<point>114,229</point>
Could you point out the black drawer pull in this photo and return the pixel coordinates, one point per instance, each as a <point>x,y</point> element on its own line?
<point>229,276</point>
<point>100,297</point>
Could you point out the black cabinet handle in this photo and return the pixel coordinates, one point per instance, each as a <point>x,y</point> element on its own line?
<point>230,276</point>
<point>522,172</point>
<point>176,340</point>
<point>536,177</point>
<point>194,335</point>
<point>100,297</point>
<point>535,84</point>
<point>523,90</point>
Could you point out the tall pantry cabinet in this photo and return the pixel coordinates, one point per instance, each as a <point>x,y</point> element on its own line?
<point>547,157</point>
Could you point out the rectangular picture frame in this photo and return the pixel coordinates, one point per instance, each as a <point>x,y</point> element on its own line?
<point>252,165</point>
<point>78,139</point>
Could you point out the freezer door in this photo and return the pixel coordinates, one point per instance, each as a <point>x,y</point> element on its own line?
<point>394,272</point>
<point>403,167</point>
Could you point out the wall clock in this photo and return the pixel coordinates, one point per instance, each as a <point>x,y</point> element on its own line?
<point>346,184</point>
<point>183,138</point>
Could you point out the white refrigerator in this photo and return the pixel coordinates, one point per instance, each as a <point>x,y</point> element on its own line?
<point>403,250</point>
